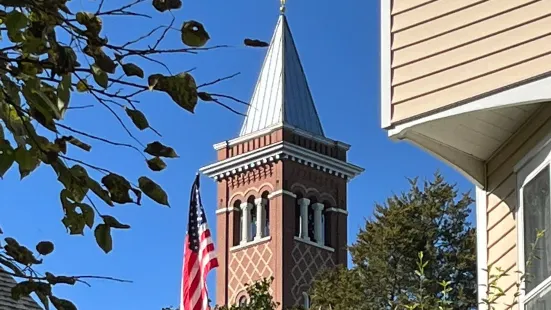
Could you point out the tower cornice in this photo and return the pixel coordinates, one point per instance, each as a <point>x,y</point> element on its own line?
<point>266,131</point>
<point>276,152</point>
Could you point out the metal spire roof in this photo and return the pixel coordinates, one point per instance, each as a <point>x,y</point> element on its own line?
<point>282,95</point>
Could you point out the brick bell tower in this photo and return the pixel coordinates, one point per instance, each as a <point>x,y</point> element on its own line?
<point>282,187</point>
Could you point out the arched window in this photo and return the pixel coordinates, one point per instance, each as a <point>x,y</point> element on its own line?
<point>306,300</point>
<point>298,222</point>
<point>252,216</point>
<point>242,301</point>
<point>323,228</point>
<point>253,222</point>
<point>238,220</point>
<point>266,214</point>
<point>311,221</point>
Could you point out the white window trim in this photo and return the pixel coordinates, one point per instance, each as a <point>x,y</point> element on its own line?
<point>527,168</point>
<point>482,246</point>
<point>250,243</point>
<point>324,247</point>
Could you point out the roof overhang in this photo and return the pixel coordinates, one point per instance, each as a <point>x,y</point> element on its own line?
<point>275,152</point>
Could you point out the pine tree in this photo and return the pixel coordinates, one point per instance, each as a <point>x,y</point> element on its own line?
<point>432,219</point>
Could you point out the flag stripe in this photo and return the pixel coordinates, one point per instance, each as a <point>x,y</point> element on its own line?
<point>199,256</point>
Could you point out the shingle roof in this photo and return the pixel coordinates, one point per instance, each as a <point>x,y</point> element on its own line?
<point>6,302</point>
<point>282,95</point>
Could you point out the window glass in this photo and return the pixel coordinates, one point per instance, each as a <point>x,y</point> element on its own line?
<point>541,302</point>
<point>267,216</point>
<point>537,217</point>
<point>242,300</point>
<point>253,222</point>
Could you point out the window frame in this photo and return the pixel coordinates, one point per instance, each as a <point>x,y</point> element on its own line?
<point>306,300</point>
<point>526,170</point>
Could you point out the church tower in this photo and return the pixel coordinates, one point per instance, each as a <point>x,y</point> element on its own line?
<point>282,187</point>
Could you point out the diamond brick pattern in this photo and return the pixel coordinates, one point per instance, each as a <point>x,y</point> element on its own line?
<point>307,262</point>
<point>249,265</point>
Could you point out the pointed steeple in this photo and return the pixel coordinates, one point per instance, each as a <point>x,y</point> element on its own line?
<point>282,95</point>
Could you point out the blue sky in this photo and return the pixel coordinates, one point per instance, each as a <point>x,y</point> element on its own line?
<point>338,43</point>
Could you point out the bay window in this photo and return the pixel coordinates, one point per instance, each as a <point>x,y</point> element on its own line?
<point>533,177</point>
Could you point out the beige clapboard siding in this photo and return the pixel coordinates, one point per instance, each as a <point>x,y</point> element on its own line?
<point>470,33</point>
<point>428,12</point>
<point>481,67</point>
<point>444,55</point>
<point>399,6</point>
<point>463,18</point>
<point>493,45</point>
<point>502,196</point>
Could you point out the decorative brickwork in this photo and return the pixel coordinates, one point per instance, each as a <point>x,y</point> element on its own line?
<point>307,261</point>
<point>249,265</point>
<point>261,172</point>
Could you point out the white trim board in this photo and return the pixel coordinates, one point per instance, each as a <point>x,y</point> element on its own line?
<point>276,152</point>
<point>529,93</point>
<point>481,246</point>
<point>386,56</point>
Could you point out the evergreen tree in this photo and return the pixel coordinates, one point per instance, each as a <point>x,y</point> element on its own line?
<point>433,220</point>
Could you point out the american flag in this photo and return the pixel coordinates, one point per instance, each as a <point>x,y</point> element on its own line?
<point>199,255</point>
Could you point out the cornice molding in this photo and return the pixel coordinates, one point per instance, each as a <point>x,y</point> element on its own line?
<point>280,151</point>
<point>269,130</point>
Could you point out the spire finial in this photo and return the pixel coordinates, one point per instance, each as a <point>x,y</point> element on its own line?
<point>282,7</point>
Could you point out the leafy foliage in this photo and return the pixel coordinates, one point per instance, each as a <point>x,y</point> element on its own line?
<point>51,52</point>
<point>431,220</point>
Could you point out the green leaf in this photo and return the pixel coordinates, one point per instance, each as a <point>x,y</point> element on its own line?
<point>49,103</point>
<point>92,22</point>
<point>74,221</point>
<point>138,118</point>
<point>194,34</point>
<point>87,213</point>
<point>45,247</point>
<point>62,304</point>
<point>27,160</point>
<point>64,94</point>
<point>102,61</point>
<point>132,70</point>
<point>76,142</point>
<point>7,157</point>
<point>164,5</point>
<point>118,187</point>
<point>82,86</point>
<point>15,21</point>
<point>205,96</point>
<point>255,43</point>
<point>156,164</point>
<point>99,191</point>
<point>78,182</point>
<point>181,88</point>
<point>153,191</point>
<point>12,89</point>
<point>113,222</point>
<point>100,76</point>
<point>74,180</point>
<point>44,300</point>
<point>158,149</point>
<point>103,237</point>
